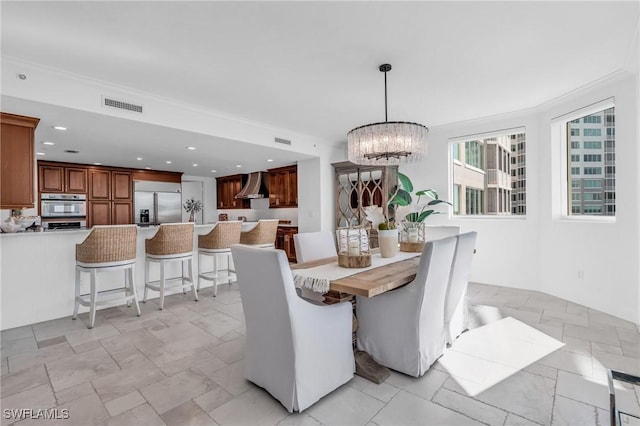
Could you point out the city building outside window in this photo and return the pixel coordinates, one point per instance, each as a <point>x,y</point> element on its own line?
<point>489,174</point>
<point>593,193</point>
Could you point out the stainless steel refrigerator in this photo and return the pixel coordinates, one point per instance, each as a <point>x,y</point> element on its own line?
<point>157,202</point>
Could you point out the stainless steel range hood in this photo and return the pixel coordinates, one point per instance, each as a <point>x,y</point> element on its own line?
<point>256,186</point>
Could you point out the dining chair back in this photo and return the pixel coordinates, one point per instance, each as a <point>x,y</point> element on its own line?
<point>456,310</point>
<point>403,329</point>
<point>314,245</point>
<point>296,350</point>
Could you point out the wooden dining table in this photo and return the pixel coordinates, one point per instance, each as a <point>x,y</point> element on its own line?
<point>367,283</point>
<point>371,282</point>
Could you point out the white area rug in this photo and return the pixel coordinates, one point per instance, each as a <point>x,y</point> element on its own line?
<point>484,356</point>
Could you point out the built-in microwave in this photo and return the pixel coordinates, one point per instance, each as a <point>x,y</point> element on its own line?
<point>63,205</point>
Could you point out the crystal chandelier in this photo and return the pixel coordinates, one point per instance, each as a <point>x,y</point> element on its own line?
<point>389,142</point>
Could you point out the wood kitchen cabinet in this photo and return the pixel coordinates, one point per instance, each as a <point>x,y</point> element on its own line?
<point>98,213</point>
<point>54,178</point>
<point>110,197</point>
<point>284,241</point>
<point>99,184</point>
<point>227,188</point>
<point>283,187</point>
<point>18,161</point>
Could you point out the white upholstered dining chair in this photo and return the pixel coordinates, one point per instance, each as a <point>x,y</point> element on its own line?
<point>456,311</point>
<point>314,245</point>
<point>403,329</point>
<point>297,351</point>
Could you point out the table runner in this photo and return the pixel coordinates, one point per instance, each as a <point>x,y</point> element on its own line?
<point>319,278</point>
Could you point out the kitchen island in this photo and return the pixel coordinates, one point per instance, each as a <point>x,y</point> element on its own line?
<point>38,273</point>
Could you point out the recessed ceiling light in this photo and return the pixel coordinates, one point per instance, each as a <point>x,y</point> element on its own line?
<point>39,153</point>
<point>97,164</point>
<point>139,158</point>
<point>195,165</point>
<point>191,148</point>
<point>168,162</point>
<point>238,165</point>
<point>269,160</point>
<point>59,127</point>
<point>213,171</point>
<point>48,143</point>
<point>148,168</point>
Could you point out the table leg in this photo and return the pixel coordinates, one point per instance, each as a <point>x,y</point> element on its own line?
<point>366,366</point>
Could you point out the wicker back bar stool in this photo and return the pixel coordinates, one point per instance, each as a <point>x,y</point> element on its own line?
<point>172,243</point>
<point>216,243</point>
<point>106,248</point>
<point>263,235</point>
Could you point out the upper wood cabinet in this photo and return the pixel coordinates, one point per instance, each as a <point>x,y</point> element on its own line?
<point>283,187</point>
<point>56,178</point>
<point>18,161</point>
<point>227,188</point>
<point>121,185</point>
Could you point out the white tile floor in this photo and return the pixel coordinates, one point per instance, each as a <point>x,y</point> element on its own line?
<point>184,366</point>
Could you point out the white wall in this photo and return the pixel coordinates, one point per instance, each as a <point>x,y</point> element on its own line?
<point>542,251</point>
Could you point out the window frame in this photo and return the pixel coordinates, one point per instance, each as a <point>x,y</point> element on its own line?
<point>480,136</point>
<point>560,132</point>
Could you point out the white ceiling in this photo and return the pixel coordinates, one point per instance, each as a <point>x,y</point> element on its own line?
<point>311,67</point>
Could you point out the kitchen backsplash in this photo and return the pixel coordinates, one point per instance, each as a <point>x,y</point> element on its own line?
<point>253,215</point>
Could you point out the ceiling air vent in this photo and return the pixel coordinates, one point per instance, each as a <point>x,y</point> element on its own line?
<point>71,151</point>
<point>284,141</point>
<point>121,105</point>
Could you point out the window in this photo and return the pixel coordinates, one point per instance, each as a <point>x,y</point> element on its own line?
<point>489,178</point>
<point>456,199</point>
<point>455,150</point>
<point>474,154</point>
<point>592,170</point>
<point>592,144</point>
<point>591,183</point>
<point>593,196</point>
<point>593,192</point>
<point>474,201</point>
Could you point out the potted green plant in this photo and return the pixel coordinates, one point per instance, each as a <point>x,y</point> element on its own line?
<point>192,207</point>
<point>411,216</point>
<point>384,219</point>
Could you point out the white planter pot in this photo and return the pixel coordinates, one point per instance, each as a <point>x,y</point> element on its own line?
<point>388,241</point>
